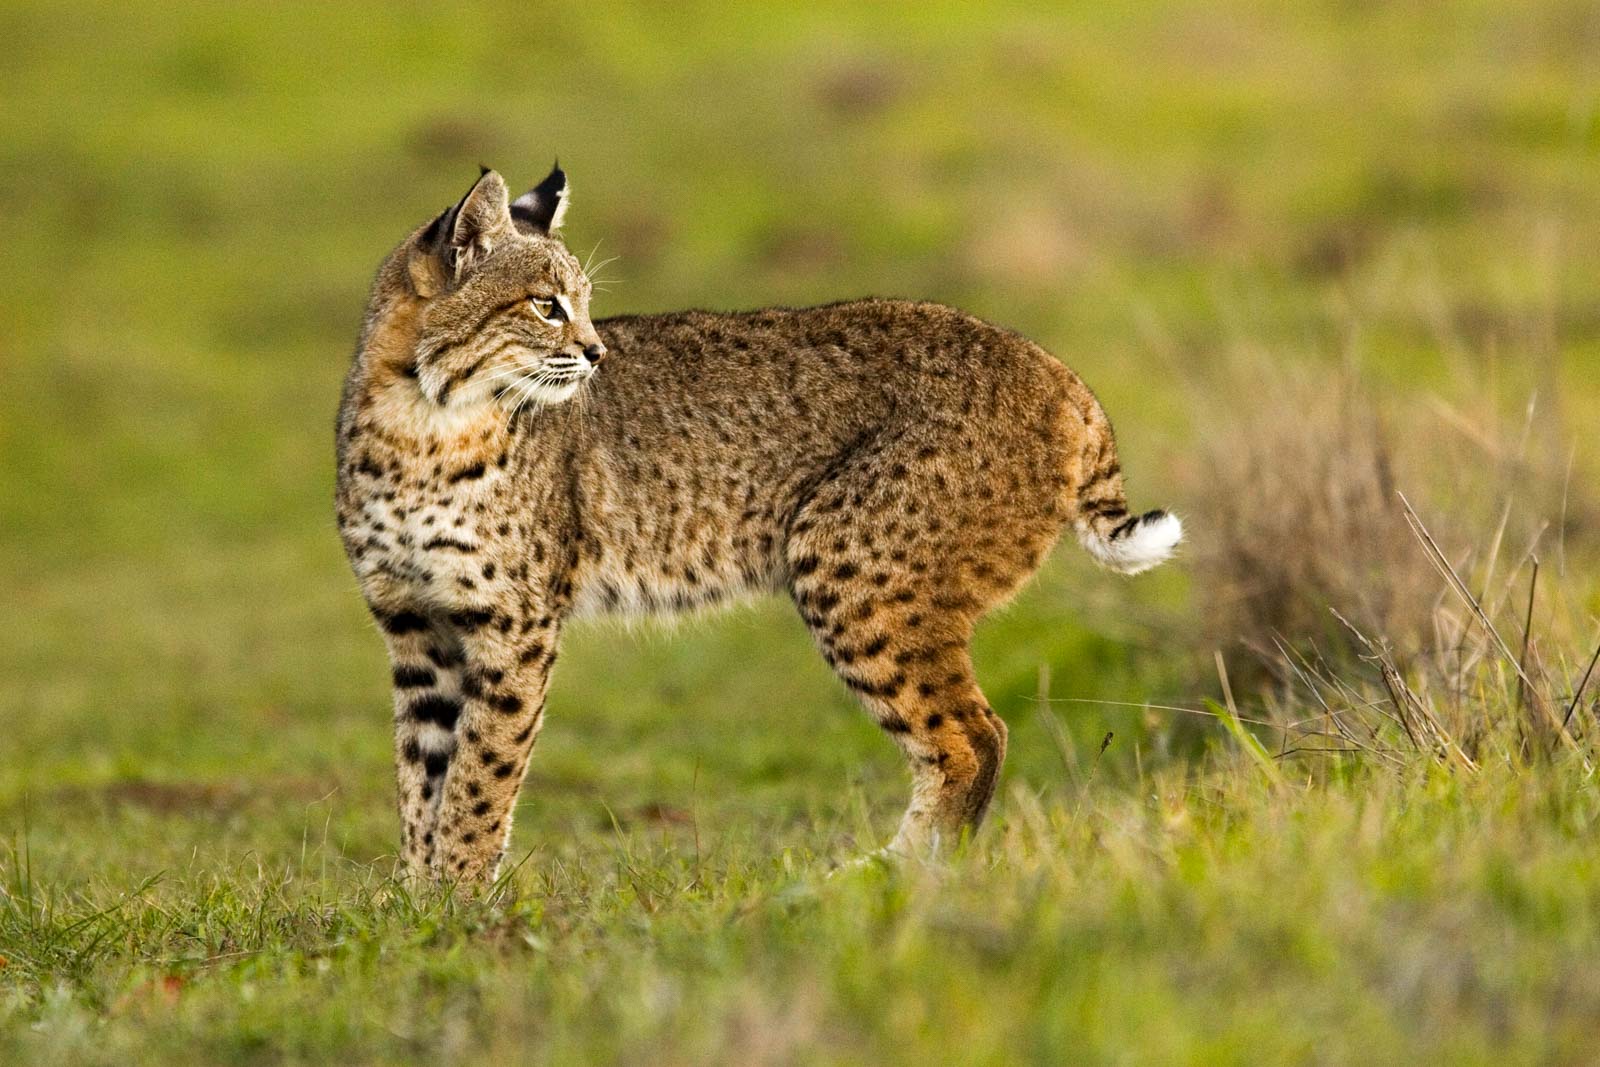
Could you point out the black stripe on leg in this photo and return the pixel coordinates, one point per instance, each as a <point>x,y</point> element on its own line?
<point>439,710</point>
<point>505,703</point>
<point>403,622</point>
<point>409,677</point>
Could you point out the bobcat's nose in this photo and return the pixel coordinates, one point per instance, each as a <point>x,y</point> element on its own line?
<point>594,353</point>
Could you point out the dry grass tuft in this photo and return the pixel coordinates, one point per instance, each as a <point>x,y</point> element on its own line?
<point>1296,488</point>
<point>1400,595</point>
<point>1297,491</point>
<point>1508,678</point>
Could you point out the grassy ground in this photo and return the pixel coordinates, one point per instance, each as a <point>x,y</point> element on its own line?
<point>195,783</point>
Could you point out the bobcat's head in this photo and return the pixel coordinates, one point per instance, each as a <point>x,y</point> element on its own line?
<point>504,307</point>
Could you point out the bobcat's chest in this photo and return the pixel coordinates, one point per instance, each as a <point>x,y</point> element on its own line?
<point>427,521</point>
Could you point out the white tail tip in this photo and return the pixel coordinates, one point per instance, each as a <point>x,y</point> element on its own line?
<point>1149,542</point>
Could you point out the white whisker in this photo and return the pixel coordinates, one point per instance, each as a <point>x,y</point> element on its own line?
<point>509,372</point>
<point>515,371</point>
<point>600,266</point>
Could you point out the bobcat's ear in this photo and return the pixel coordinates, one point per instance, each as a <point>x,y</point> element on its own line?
<point>541,209</point>
<point>457,240</point>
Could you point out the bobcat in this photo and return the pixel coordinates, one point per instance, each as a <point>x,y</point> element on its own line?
<point>506,463</point>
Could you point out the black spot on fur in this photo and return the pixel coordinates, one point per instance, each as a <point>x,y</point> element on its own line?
<point>886,689</point>
<point>435,763</point>
<point>449,542</point>
<point>467,474</point>
<point>472,618</point>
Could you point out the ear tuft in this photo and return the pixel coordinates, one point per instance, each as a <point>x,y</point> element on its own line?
<point>541,209</point>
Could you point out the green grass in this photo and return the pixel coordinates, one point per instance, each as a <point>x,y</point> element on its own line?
<point>195,780</point>
<point>1156,920</point>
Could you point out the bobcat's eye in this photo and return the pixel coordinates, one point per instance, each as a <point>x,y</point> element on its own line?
<point>546,308</point>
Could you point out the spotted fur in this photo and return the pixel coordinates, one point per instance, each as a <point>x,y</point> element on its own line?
<point>896,468</point>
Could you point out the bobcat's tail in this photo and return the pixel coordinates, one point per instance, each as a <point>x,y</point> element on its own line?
<point>1128,543</point>
<point>1097,499</point>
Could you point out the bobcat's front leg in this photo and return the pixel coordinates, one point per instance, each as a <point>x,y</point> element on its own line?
<point>425,661</point>
<point>504,676</point>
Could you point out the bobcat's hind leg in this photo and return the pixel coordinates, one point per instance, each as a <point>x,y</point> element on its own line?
<point>954,741</point>
<point>902,648</point>
<point>892,561</point>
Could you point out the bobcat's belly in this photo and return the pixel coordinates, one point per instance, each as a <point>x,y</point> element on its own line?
<point>660,538</point>
<point>633,584</point>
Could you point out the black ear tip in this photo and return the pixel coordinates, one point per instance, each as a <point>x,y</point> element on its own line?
<point>482,170</point>
<point>554,184</point>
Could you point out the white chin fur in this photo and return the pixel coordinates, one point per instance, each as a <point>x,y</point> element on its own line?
<point>542,393</point>
<point>545,395</point>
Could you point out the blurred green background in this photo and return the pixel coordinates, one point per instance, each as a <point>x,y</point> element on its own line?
<point>196,196</point>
